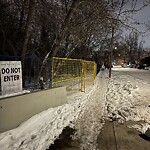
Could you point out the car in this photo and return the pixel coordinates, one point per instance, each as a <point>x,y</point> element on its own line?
<point>140,66</point>
<point>146,67</point>
<point>124,65</point>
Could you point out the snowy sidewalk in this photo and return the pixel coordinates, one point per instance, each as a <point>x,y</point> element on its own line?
<point>90,122</point>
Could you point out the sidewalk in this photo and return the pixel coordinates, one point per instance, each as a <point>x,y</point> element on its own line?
<point>89,122</point>
<point>117,136</point>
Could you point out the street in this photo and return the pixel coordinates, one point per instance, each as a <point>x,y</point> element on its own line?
<point>143,75</point>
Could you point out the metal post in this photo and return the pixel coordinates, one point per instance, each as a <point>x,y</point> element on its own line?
<point>51,73</point>
<point>111,52</point>
<point>83,76</point>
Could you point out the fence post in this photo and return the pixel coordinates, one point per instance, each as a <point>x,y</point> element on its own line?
<point>83,76</point>
<point>95,68</point>
<point>51,72</point>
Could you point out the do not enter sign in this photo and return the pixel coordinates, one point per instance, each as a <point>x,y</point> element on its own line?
<point>11,77</point>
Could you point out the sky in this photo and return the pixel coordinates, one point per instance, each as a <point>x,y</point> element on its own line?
<point>143,16</point>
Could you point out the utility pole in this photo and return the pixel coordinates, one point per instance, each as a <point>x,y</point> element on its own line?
<point>111,49</point>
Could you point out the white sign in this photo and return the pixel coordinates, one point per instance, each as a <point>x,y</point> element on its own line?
<point>11,77</point>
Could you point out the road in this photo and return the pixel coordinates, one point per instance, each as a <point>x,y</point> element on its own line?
<point>143,75</point>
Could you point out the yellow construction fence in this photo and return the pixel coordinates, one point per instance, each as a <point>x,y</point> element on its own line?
<point>75,74</point>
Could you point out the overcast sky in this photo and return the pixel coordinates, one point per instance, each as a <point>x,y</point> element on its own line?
<point>142,16</point>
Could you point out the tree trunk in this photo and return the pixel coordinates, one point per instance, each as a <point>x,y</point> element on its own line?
<point>27,34</point>
<point>27,28</point>
<point>55,47</point>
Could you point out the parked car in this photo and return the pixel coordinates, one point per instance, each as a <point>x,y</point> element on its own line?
<point>140,66</point>
<point>146,67</point>
<point>131,65</point>
<point>124,65</point>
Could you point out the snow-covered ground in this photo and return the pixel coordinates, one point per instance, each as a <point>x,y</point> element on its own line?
<point>40,131</point>
<point>121,98</point>
<point>128,98</point>
<point>15,94</point>
<point>91,120</point>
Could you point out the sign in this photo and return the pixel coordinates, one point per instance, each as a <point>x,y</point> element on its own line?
<point>11,77</point>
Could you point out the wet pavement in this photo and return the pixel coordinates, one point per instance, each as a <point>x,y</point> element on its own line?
<point>115,136</point>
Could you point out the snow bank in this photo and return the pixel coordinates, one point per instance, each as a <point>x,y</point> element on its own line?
<point>14,94</point>
<point>128,99</point>
<point>40,131</point>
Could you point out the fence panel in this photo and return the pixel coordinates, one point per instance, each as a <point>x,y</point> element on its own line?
<point>90,72</point>
<point>75,74</point>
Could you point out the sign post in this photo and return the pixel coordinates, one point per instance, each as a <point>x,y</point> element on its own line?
<point>11,77</point>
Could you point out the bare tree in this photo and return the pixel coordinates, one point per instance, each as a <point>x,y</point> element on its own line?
<point>55,47</point>
<point>27,28</point>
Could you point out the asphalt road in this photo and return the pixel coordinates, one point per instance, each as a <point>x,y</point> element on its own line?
<point>143,75</point>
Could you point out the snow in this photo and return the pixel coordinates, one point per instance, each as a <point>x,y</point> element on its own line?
<point>14,94</point>
<point>128,98</point>
<point>91,121</point>
<point>121,98</point>
<point>39,131</point>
